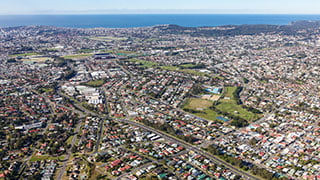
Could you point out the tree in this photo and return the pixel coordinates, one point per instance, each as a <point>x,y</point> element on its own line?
<point>253,141</point>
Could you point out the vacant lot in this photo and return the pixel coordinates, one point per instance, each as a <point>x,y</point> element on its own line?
<point>195,103</point>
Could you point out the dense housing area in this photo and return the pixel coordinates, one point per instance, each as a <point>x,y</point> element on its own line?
<point>162,102</point>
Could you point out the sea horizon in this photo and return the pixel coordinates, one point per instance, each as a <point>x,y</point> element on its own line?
<point>147,20</point>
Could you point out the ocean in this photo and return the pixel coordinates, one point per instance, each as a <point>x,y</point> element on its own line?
<point>143,20</point>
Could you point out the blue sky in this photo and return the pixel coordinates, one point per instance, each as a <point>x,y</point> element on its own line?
<point>159,6</point>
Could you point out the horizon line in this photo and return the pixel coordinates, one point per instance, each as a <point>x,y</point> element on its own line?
<point>129,11</point>
<point>159,14</point>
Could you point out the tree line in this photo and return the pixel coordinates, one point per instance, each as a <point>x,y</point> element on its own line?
<point>254,169</point>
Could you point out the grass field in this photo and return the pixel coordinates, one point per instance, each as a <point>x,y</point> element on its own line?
<point>194,72</point>
<point>46,157</point>
<point>231,106</point>
<point>228,92</point>
<point>187,65</point>
<point>77,56</point>
<point>219,77</point>
<point>150,64</point>
<point>206,112</point>
<point>228,104</point>
<point>107,38</point>
<point>95,83</point>
<point>25,54</point>
<point>170,68</point>
<point>69,140</point>
<point>46,90</point>
<point>263,81</point>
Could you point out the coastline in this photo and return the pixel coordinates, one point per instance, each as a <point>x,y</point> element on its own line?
<point>147,20</point>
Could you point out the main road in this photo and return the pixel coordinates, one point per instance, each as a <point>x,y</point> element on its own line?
<point>189,147</point>
<point>177,141</point>
<point>166,136</point>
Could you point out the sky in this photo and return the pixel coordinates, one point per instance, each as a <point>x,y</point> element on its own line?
<point>159,6</point>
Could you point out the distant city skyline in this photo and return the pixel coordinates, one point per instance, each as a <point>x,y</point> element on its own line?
<point>159,7</point>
